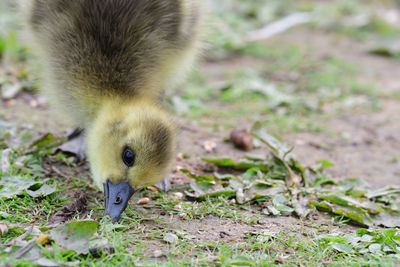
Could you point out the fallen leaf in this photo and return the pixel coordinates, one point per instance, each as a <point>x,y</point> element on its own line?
<point>387,219</point>
<point>375,248</point>
<point>241,165</point>
<point>342,248</point>
<point>75,235</point>
<point>274,142</point>
<point>4,215</point>
<point>170,238</point>
<point>75,145</point>
<point>43,191</point>
<point>198,178</point>
<point>11,186</point>
<point>45,262</point>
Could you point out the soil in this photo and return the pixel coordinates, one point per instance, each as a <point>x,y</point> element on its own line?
<point>78,207</point>
<point>361,144</point>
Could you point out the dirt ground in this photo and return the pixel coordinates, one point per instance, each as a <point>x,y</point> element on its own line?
<point>361,144</point>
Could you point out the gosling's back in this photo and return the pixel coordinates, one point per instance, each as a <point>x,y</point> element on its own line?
<point>113,47</point>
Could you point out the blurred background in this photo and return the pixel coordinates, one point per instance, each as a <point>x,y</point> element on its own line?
<point>321,73</point>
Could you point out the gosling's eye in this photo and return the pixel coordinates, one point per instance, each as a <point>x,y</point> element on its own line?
<point>128,157</point>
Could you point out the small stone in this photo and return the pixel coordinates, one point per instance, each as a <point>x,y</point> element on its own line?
<point>157,254</point>
<point>209,146</point>
<point>10,103</point>
<point>5,163</point>
<point>170,238</point>
<point>19,164</point>
<point>33,103</point>
<point>143,201</point>
<point>3,229</point>
<point>242,139</point>
<point>178,168</point>
<point>281,259</point>
<point>153,188</point>
<point>177,196</point>
<point>182,215</point>
<point>223,234</point>
<point>9,91</point>
<point>180,157</point>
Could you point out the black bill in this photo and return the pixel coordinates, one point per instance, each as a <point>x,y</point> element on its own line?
<point>117,197</point>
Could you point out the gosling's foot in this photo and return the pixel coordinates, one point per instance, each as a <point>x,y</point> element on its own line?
<point>164,185</point>
<point>76,144</point>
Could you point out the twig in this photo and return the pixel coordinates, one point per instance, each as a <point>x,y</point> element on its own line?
<point>57,171</point>
<point>25,249</point>
<point>19,238</point>
<point>279,26</point>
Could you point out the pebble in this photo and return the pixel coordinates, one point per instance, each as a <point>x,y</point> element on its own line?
<point>171,238</point>
<point>143,201</point>
<point>209,146</point>
<point>3,229</point>
<point>19,164</point>
<point>177,196</point>
<point>157,254</point>
<point>242,139</point>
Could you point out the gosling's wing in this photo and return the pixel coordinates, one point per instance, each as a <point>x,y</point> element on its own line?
<point>124,47</point>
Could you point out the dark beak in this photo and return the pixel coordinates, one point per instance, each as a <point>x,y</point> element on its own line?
<point>116,198</point>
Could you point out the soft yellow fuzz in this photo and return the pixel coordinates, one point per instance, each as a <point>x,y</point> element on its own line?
<point>106,66</point>
<point>120,123</point>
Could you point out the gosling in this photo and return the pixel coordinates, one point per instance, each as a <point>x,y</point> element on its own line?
<point>107,64</point>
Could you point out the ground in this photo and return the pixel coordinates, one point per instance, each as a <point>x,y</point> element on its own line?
<point>318,86</point>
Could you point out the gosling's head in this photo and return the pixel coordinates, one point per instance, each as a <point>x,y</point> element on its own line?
<point>130,146</point>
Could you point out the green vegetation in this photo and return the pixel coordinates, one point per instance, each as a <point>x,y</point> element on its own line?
<point>257,211</point>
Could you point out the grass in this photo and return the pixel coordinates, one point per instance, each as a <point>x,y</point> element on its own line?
<point>290,87</point>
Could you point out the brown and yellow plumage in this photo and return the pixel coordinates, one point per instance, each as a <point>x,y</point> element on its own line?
<point>107,62</point>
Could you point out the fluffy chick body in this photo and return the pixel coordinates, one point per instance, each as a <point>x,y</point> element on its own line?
<point>107,63</point>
